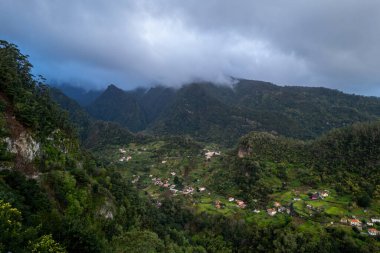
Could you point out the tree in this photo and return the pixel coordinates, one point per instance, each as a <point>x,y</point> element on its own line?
<point>46,244</point>
<point>138,241</point>
<point>10,227</point>
<point>364,200</point>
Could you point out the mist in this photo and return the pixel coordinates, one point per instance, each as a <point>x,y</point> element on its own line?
<point>143,43</point>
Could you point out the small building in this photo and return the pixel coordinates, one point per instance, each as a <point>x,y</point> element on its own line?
<point>277,204</point>
<point>343,220</point>
<point>375,220</point>
<point>272,211</point>
<point>201,189</point>
<point>355,222</point>
<point>314,196</point>
<point>172,173</point>
<point>123,151</point>
<point>373,231</point>
<point>256,211</point>
<point>163,162</point>
<point>129,158</point>
<point>296,199</point>
<point>241,203</point>
<point>324,194</point>
<point>218,204</point>
<point>230,199</point>
<point>369,224</point>
<point>159,183</point>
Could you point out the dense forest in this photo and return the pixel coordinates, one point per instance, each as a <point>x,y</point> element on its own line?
<point>64,187</point>
<point>222,114</point>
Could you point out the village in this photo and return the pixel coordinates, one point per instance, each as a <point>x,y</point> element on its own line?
<point>306,204</point>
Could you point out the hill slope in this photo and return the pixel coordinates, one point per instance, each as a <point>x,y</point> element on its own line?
<point>119,106</point>
<point>348,158</point>
<point>93,133</point>
<point>223,114</point>
<point>80,95</point>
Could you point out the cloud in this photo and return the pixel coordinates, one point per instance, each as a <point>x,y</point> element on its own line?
<point>144,42</point>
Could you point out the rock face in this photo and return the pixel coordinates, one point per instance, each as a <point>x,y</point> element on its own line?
<point>243,152</point>
<point>24,146</point>
<point>107,210</point>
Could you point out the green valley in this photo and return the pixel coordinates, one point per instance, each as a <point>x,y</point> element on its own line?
<point>205,168</point>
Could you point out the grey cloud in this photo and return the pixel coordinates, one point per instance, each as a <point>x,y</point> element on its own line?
<point>130,43</point>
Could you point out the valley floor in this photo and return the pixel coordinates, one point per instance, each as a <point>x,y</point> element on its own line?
<point>162,172</point>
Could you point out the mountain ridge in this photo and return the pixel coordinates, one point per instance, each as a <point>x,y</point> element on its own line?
<point>293,111</point>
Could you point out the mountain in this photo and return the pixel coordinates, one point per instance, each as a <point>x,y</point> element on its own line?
<point>197,113</point>
<point>155,101</point>
<point>81,96</point>
<point>222,114</point>
<point>92,133</point>
<point>122,107</point>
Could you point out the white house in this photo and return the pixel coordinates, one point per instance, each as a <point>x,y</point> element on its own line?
<point>355,222</point>
<point>271,211</point>
<point>373,231</point>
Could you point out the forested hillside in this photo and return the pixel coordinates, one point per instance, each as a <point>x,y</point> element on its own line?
<point>345,158</point>
<point>222,114</point>
<point>92,133</point>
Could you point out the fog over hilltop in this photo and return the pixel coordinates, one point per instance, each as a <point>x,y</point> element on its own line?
<point>133,43</point>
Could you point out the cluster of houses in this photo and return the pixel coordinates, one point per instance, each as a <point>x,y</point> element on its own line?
<point>162,182</point>
<point>277,208</point>
<point>124,158</point>
<point>359,224</point>
<point>165,184</point>
<point>319,195</point>
<point>239,203</point>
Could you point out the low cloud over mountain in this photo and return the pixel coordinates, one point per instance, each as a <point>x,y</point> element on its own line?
<point>319,43</point>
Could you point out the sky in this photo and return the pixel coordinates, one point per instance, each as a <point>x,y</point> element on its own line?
<point>92,43</point>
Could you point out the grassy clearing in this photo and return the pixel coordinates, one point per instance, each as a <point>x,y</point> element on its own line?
<point>336,211</point>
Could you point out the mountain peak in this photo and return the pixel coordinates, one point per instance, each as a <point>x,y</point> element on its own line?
<point>113,87</point>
